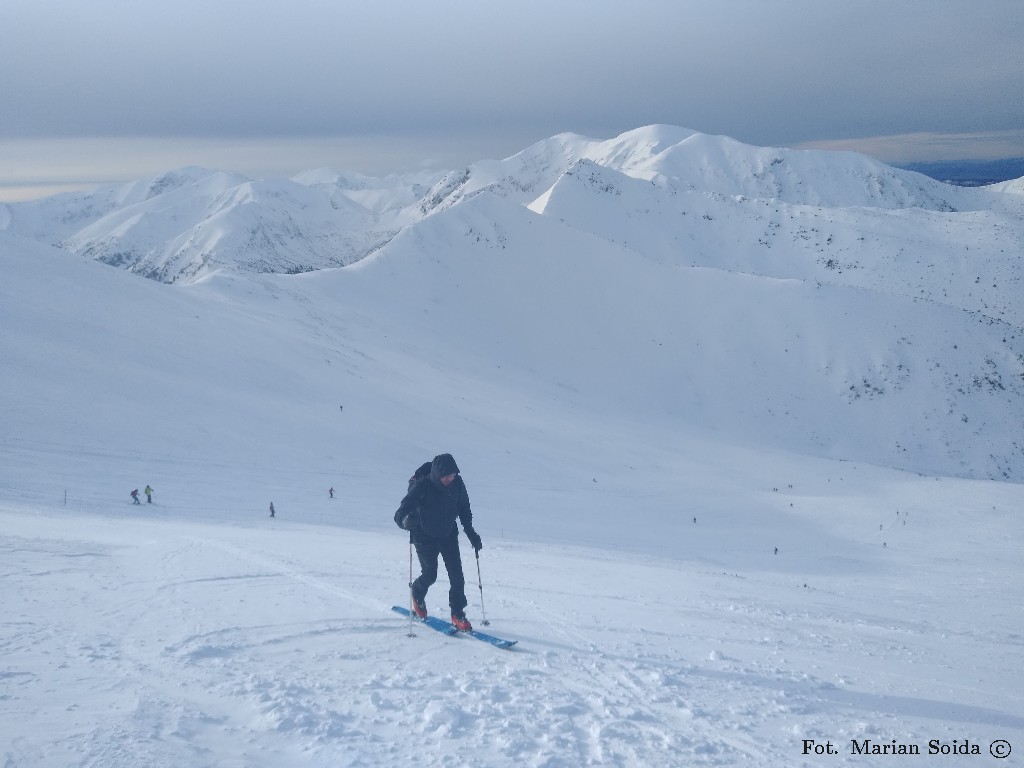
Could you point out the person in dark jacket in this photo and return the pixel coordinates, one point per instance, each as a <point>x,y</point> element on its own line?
<point>429,511</point>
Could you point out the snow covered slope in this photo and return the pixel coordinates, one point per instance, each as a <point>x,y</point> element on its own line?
<point>519,301</point>
<point>741,428</point>
<point>691,580</point>
<point>967,259</point>
<point>828,370</point>
<point>683,280</point>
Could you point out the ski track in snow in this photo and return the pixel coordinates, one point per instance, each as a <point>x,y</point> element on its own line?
<point>253,647</point>
<point>609,717</point>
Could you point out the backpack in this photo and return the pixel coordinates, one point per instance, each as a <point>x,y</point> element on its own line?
<point>421,473</point>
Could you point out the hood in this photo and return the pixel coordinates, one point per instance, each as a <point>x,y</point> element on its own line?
<point>442,465</point>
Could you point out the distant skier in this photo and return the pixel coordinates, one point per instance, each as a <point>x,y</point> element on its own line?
<point>429,512</point>
<point>149,494</point>
<point>135,496</point>
<point>271,509</point>
<point>331,491</point>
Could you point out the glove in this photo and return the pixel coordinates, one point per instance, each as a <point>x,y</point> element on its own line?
<point>474,539</point>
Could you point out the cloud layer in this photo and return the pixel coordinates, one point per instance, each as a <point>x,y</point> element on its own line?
<point>486,77</point>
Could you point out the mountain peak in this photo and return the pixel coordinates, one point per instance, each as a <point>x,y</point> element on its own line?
<point>356,214</point>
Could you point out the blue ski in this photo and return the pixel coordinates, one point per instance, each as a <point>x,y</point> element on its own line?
<point>497,642</point>
<point>449,629</point>
<point>431,621</point>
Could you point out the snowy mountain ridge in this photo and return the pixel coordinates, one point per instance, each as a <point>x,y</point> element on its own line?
<point>182,225</point>
<point>685,160</point>
<point>677,278</point>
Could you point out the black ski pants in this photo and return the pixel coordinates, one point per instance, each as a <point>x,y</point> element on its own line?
<point>427,550</point>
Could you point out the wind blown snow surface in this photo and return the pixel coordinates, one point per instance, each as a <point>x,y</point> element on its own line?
<point>744,509</point>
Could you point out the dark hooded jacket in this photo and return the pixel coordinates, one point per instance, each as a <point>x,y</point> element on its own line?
<point>430,510</point>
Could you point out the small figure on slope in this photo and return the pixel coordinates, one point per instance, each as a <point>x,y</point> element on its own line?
<point>135,496</point>
<point>271,509</point>
<point>149,494</point>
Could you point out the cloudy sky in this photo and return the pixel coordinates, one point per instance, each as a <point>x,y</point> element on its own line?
<point>94,91</point>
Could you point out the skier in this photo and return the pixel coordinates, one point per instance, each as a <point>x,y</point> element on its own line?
<point>429,512</point>
<point>271,509</point>
<point>331,491</point>
<point>149,494</point>
<point>135,496</point>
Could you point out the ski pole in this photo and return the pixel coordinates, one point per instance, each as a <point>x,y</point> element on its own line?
<point>411,633</point>
<point>480,583</point>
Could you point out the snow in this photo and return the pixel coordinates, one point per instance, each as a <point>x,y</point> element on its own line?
<point>728,505</point>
